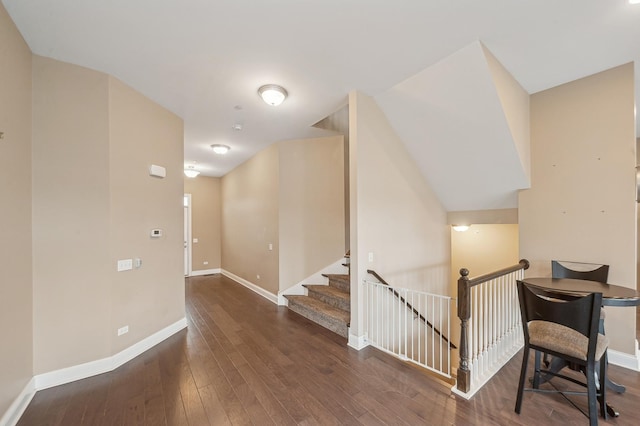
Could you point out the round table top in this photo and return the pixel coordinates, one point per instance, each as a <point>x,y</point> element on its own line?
<point>612,295</point>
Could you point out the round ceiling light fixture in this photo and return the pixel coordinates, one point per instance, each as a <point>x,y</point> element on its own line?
<point>272,94</point>
<point>191,172</point>
<point>220,149</point>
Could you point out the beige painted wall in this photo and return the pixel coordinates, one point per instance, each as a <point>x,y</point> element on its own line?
<point>71,262</point>
<point>491,217</point>
<point>94,203</point>
<point>515,105</point>
<point>481,249</point>
<point>311,207</point>
<point>288,195</point>
<point>339,122</point>
<point>250,220</point>
<point>581,205</point>
<point>142,133</point>
<point>206,211</point>
<point>16,306</point>
<point>398,217</point>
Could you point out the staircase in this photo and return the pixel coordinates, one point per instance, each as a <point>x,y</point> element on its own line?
<point>326,305</point>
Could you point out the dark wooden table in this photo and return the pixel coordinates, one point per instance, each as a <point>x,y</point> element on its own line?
<point>612,295</point>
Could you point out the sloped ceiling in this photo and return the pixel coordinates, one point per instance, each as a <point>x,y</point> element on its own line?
<point>456,120</point>
<point>204,60</point>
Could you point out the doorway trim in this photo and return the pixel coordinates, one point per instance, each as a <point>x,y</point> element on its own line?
<point>187,255</point>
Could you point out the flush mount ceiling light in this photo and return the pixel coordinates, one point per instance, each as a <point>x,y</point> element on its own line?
<point>272,94</point>
<point>191,172</point>
<point>220,149</point>
<point>460,228</point>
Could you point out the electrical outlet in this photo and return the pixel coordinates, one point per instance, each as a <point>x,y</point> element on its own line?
<point>125,265</point>
<point>123,330</point>
<point>205,263</point>
<point>258,276</point>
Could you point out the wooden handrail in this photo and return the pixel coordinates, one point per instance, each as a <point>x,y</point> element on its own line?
<point>464,313</point>
<point>414,310</point>
<point>472,282</point>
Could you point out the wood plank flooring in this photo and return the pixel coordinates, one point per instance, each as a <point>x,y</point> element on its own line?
<point>245,361</point>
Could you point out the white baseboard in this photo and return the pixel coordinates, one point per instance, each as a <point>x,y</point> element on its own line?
<point>92,368</point>
<point>205,272</point>
<point>13,414</point>
<point>82,371</point>
<point>251,286</point>
<point>623,359</point>
<point>357,342</point>
<point>296,290</point>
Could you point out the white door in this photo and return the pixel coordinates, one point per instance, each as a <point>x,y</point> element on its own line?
<point>187,235</point>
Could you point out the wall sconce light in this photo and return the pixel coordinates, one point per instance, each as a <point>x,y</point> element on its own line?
<point>191,172</point>
<point>460,228</point>
<point>272,94</point>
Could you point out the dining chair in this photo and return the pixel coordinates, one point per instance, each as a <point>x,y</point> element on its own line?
<point>591,272</point>
<point>581,271</point>
<point>565,328</point>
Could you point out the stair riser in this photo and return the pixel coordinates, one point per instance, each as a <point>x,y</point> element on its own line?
<point>343,304</point>
<point>337,327</point>
<point>340,283</point>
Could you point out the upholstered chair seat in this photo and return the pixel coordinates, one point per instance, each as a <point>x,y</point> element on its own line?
<point>559,338</point>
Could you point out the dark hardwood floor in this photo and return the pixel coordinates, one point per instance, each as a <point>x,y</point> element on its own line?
<point>245,361</point>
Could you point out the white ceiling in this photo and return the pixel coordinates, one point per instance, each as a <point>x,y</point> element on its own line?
<point>204,60</point>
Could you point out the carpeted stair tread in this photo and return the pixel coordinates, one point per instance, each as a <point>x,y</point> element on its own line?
<point>328,316</point>
<point>330,295</point>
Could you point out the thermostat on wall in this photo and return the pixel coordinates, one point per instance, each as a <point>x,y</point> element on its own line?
<point>156,233</point>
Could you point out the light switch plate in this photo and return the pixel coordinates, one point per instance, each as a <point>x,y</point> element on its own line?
<point>125,265</point>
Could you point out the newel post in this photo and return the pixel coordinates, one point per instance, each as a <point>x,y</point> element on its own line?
<point>464,313</point>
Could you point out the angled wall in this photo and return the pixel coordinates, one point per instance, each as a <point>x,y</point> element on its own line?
<point>16,304</point>
<point>582,202</point>
<point>283,213</point>
<point>311,206</point>
<point>395,214</point>
<point>151,297</point>
<point>465,122</point>
<point>71,261</point>
<point>250,220</point>
<point>95,203</point>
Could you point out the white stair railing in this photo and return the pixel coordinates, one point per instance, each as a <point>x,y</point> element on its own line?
<point>412,325</point>
<point>490,325</point>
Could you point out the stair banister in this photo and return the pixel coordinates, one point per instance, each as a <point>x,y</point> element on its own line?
<point>465,284</point>
<point>408,305</point>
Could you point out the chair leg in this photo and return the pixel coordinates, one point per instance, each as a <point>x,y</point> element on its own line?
<point>523,377</point>
<point>592,394</point>
<point>536,370</point>
<point>603,385</point>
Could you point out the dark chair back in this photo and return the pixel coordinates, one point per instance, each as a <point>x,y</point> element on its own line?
<point>581,313</point>
<point>542,310</point>
<point>600,274</point>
